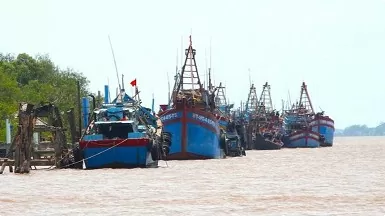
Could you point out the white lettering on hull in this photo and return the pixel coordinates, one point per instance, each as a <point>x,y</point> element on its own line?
<point>322,122</point>
<point>169,117</point>
<point>204,119</point>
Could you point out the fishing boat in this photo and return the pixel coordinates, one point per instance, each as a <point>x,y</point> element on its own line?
<point>122,134</point>
<point>223,109</point>
<point>230,141</point>
<point>240,126</point>
<point>296,123</point>
<point>248,116</point>
<point>324,125</point>
<point>267,122</point>
<point>190,119</point>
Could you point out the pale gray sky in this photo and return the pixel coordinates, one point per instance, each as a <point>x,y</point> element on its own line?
<point>336,46</point>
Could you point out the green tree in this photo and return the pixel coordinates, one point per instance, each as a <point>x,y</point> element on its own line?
<point>36,80</point>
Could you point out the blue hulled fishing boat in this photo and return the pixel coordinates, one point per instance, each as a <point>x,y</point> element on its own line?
<point>324,125</point>
<point>298,133</point>
<point>190,118</point>
<point>296,123</point>
<point>122,134</point>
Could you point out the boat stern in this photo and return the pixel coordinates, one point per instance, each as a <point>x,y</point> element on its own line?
<point>133,152</point>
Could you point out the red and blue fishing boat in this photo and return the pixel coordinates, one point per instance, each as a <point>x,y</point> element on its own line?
<point>296,123</point>
<point>324,125</point>
<point>115,137</point>
<point>190,119</point>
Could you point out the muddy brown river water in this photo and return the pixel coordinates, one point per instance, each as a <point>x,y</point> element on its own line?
<point>347,179</point>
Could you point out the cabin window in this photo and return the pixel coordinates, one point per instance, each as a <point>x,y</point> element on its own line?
<point>115,130</point>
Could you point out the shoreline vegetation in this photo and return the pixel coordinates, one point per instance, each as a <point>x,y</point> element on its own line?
<point>361,130</point>
<point>36,80</point>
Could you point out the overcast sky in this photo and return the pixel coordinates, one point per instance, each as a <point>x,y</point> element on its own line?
<point>337,47</point>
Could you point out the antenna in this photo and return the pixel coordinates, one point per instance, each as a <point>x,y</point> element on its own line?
<point>123,81</point>
<point>210,52</point>
<point>210,85</point>
<point>176,62</point>
<point>211,73</point>
<point>168,83</point>
<point>153,104</point>
<point>288,94</point>
<point>181,51</point>
<point>283,106</point>
<point>249,77</point>
<point>109,93</point>
<point>116,68</point>
<point>206,70</point>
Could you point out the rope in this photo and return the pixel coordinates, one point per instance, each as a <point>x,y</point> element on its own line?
<point>76,162</point>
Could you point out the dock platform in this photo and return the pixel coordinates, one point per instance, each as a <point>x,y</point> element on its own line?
<point>35,162</point>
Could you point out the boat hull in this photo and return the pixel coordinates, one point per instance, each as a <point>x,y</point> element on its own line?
<point>302,139</point>
<point>325,126</point>
<point>195,134</point>
<point>261,143</point>
<point>128,153</point>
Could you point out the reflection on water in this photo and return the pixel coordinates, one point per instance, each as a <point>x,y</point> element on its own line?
<point>347,179</point>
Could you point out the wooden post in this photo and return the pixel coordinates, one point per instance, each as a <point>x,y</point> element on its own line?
<point>23,143</point>
<point>3,166</point>
<point>17,144</point>
<point>58,142</point>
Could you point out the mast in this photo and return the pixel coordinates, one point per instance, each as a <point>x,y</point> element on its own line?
<point>220,98</point>
<point>252,100</point>
<point>265,99</point>
<point>304,100</point>
<point>189,75</point>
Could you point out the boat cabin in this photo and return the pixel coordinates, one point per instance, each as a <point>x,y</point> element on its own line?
<point>114,122</point>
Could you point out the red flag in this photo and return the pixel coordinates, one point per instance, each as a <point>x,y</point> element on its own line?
<point>133,82</point>
<point>163,107</point>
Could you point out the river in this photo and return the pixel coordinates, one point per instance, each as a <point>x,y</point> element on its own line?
<point>346,179</point>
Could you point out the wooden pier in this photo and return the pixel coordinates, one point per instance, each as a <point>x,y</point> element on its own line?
<point>33,163</point>
<point>25,152</point>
